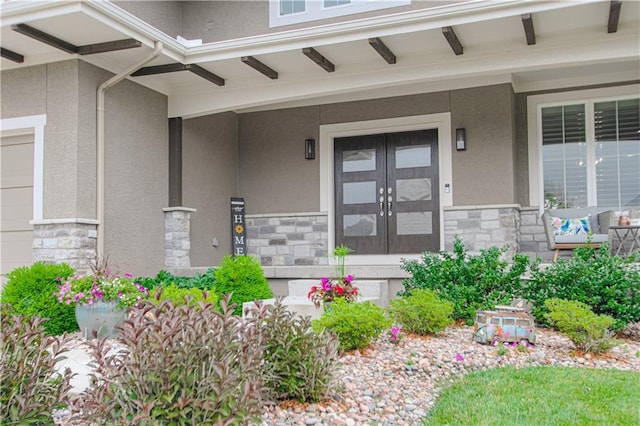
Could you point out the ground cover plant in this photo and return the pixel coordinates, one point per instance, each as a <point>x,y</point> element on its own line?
<point>469,282</point>
<point>29,290</point>
<point>540,396</point>
<point>183,365</point>
<point>242,276</point>
<point>610,285</point>
<point>180,295</point>
<point>355,324</point>
<point>202,281</point>
<point>422,312</point>
<point>31,389</point>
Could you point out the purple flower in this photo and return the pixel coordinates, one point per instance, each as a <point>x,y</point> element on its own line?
<point>459,357</point>
<point>58,278</point>
<point>120,294</point>
<point>127,275</point>
<point>348,278</point>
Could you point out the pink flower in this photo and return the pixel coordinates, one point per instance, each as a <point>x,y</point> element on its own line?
<point>459,357</point>
<point>120,294</point>
<point>348,278</point>
<point>127,275</point>
<point>58,278</point>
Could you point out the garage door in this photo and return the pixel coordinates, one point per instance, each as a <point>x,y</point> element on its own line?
<point>16,202</point>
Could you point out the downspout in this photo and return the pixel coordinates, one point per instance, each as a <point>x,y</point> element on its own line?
<point>100,140</point>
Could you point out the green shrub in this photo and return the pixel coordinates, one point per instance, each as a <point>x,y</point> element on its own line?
<point>610,285</point>
<point>183,366</point>
<point>298,362</point>
<point>180,296</point>
<point>355,324</point>
<point>588,331</point>
<point>204,281</point>
<point>31,387</point>
<point>29,290</point>
<point>471,283</point>
<point>423,312</point>
<point>242,276</point>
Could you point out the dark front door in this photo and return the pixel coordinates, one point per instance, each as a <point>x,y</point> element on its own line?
<point>386,189</point>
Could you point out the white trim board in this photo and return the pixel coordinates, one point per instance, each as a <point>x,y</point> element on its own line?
<point>329,132</point>
<point>31,124</point>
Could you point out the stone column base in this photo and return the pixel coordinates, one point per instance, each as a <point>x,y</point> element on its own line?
<point>177,238</point>
<point>71,241</point>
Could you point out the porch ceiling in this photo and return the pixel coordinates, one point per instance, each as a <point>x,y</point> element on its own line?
<point>572,48</point>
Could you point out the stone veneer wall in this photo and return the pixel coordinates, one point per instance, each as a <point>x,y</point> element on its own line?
<point>69,241</point>
<point>177,238</point>
<point>533,241</point>
<point>294,239</point>
<point>481,227</point>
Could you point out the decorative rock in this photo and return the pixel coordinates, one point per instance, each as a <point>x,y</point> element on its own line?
<point>375,387</point>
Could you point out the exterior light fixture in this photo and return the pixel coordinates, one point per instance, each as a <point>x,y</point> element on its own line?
<point>461,139</point>
<point>310,149</point>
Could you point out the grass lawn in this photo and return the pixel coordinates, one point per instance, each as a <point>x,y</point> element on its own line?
<point>540,396</point>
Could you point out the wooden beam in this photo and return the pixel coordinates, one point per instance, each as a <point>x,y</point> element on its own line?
<point>108,46</point>
<point>36,34</point>
<point>317,57</point>
<point>11,55</point>
<point>260,67</point>
<point>614,16</point>
<point>529,32</point>
<point>452,39</point>
<point>383,50</point>
<point>206,74</point>
<point>196,69</point>
<point>160,69</point>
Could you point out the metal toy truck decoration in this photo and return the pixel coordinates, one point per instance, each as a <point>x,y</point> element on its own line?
<point>506,324</point>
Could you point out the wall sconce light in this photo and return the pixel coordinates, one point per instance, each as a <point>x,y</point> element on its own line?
<point>461,139</point>
<point>310,149</point>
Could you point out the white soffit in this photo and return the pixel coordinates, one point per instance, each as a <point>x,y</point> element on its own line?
<point>572,46</point>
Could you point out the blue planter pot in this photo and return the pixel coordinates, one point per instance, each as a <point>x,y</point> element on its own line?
<point>101,317</point>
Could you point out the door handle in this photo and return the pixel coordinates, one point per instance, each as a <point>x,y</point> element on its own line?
<point>390,199</point>
<point>382,205</point>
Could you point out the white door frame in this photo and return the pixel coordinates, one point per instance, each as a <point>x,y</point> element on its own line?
<point>27,125</point>
<point>329,132</point>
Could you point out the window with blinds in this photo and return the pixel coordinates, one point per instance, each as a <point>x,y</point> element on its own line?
<point>564,154</point>
<point>592,159</point>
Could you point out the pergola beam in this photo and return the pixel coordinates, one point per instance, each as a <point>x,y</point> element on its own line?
<point>383,50</point>
<point>319,59</point>
<point>529,32</point>
<point>614,16</point>
<point>11,55</point>
<point>452,39</point>
<point>260,67</point>
<point>176,67</point>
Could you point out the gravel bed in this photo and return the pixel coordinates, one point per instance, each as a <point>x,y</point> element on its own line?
<point>397,384</point>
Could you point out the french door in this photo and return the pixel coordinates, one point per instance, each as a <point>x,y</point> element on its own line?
<point>386,192</point>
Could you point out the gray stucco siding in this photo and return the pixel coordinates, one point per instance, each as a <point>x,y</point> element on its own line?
<point>210,161</point>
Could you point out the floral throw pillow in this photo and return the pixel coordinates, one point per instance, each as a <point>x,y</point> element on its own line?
<point>571,226</point>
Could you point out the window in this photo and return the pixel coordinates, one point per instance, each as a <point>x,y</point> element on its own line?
<point>289,7</point>
<point>288,12</point>
<point>591,154</point>
<point>333,3</point>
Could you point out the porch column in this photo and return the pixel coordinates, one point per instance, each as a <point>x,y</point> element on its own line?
<point>177,238</point>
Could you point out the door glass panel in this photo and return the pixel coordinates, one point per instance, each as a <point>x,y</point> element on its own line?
<point>413,156</point>
<point>418,223</point>
<point>359,192</point>
<point>413,189</point>
<point>359,161</point>
<point>359,225</point>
